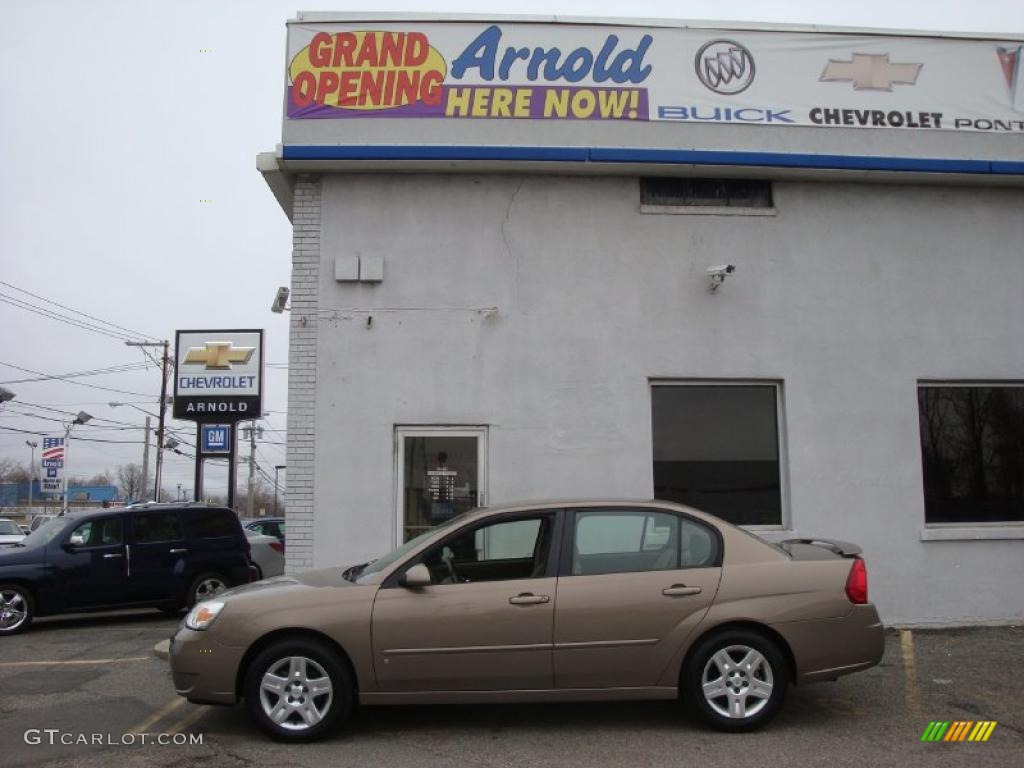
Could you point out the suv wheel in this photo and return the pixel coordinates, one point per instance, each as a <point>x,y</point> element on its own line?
<point>298,690</point>
<point>205,586</point>
<point>736,680</point>
<point>16,609</point>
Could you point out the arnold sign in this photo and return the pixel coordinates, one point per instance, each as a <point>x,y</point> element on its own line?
<point>546,71</point>
<point>218,375</point>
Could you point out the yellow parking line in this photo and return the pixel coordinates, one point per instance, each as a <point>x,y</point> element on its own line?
<point>909,670</point>
<point>187,720</point>
<point>70,662</point>
<point>161,713</point>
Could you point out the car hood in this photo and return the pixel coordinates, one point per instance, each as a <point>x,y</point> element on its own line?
<point>21,555</point>
<point>324,577</point>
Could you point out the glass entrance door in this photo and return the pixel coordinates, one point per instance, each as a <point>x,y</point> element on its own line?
<point>441,472</point>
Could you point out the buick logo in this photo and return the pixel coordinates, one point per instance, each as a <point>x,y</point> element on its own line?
<point>724,66</point>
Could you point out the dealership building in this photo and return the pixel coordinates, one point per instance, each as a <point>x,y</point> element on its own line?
<point>775,273</point>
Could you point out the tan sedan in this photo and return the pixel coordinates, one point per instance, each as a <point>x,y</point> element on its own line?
<point>581,601</point>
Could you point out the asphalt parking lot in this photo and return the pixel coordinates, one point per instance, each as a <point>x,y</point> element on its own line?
<point>97,675</point>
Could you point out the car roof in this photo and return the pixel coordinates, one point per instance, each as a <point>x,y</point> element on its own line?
<point>144,508</point>
<point>528,506</point>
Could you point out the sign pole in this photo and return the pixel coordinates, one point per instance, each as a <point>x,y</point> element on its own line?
<point>198,481</point>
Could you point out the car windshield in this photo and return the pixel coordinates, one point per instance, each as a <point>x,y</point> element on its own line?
<point>45,533</point>
<point>7,528</point>
<point>376,566</point>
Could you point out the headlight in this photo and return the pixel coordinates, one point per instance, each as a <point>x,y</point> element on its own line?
<point>204,614</point>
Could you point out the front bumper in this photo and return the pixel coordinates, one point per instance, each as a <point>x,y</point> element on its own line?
<point>204,671</point>
<point>829,648</point>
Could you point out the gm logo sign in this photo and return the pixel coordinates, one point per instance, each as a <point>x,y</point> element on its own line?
<point>216,438</point>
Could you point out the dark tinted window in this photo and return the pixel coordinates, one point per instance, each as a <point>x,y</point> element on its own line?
<point>738,193</point>
<point>103,532</point>
<point>211,523</point>
<point>972,451</point>
<point>157,526</point>
<point>716,448</point>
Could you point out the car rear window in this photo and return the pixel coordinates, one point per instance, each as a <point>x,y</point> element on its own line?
<point>212,524</point>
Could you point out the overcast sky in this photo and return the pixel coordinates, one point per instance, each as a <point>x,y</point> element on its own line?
<point>117,124</point>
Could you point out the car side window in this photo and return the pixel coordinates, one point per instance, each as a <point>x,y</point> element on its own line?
<point>211,523</point>
<point>104,532</point>
<point>500,551</point>
<point>155,527</point>
<point>625,541</point>
<point>698,545</point>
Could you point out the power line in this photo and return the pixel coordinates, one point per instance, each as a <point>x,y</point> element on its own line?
<point>77,438</point>
<point>129,331</point>
<point>126,368</point>
<point>69,381</point>
<point>61,318</point>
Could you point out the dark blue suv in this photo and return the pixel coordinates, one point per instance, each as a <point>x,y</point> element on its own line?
<point>166,556</point>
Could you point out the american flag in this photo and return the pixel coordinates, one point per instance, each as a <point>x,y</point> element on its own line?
<point>53,447</point>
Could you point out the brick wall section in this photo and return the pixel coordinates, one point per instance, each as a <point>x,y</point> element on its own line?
<point>302,372</point>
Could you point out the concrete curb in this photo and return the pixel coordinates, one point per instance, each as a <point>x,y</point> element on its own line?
<point>162,650</point>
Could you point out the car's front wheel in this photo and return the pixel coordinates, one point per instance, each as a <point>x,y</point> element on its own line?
<point>298,690</point>
<point>206,586</point>
<point>736,680</point>
<point>16,609</point>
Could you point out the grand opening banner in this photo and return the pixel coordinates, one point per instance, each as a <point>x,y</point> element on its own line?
<point>534,71</point>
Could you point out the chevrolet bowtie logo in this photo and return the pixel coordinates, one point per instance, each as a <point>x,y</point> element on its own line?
<point>870,72</point>
<point>218,355</point>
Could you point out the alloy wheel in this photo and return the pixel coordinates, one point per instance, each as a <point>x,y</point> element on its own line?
<point>209,587</point>
<point>737,682</point>
<point>296,693</point>
<point>13,610</point>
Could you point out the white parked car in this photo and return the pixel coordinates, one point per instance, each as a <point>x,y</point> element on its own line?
<point>267,554</point>
<point>10,533</point>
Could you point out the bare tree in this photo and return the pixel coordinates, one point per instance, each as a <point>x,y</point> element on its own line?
<point>129,480</point>
<point>13,471</point>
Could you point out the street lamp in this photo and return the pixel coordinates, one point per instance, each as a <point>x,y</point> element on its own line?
<point>31,469</point>
<point>277,468</point>
<point>6,394</point>
<point>81,418</point>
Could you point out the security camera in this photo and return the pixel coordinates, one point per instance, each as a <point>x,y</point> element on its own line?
<point>717,274</point>
<point>280,300</point>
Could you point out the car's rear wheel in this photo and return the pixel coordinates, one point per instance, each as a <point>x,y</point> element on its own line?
<point>205,586</point>
<point>16,609</point>
<point>298,690</point>
<point>736,680</point>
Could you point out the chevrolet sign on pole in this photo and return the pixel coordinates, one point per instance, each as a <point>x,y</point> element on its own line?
<point>218,376</point>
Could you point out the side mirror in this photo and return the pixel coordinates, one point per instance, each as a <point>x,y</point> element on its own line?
<point>417,576</point>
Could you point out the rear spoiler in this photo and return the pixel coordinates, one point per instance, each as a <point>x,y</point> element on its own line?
<point>842,548</point>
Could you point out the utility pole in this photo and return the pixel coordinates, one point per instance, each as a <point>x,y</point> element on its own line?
<point>145,463</point>
<point>31,470</point>
<point>165,369</point>
<point>251,432</point>
<point>277,468</point>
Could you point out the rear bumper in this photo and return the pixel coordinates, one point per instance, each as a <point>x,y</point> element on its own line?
<point>829,648</point>
<point>203,670</point>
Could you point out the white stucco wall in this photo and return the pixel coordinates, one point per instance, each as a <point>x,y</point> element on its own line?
<point>848,296</point>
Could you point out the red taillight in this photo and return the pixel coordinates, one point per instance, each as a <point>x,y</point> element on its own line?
<point>857,582</point>
<point>279,546</point>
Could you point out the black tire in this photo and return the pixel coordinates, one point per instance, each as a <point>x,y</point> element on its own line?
<point>745,683</point>
<point>198,589</point>
<point>333,710</point>
<point>15,599</point>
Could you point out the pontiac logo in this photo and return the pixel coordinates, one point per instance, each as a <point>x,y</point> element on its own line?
<point>1012,62</point>
<point>724,66</point>
<point>870,72</point>
<point>218,355</point>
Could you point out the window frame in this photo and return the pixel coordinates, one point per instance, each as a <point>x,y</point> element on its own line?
<point>785,510</point>
<point>961,530</point>
<point>551,567</point>
<point>568,539</point>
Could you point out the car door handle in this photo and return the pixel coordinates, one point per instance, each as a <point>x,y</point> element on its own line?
<point>178,551</point>
<point>112,555</point>
<point>676,590</point>
<point>528,598</point>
